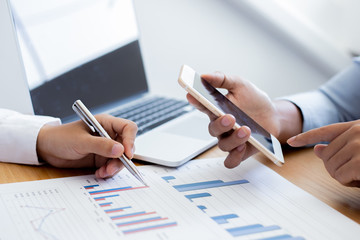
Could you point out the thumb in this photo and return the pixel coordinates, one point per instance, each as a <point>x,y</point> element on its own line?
<point>318,149</point>
<point>104,147</point>
<point>220,80</point>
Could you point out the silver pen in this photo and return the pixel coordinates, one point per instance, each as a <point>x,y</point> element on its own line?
<point>95,126</point>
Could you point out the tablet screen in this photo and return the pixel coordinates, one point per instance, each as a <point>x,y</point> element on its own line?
<point>224,104</point>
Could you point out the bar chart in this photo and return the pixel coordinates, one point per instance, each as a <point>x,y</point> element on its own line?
<point>128,219</point>
<point>206,185</point>
<point>88,208</point>
<point>138,211</point>
<point>200,200</point>
<point>209,197</point>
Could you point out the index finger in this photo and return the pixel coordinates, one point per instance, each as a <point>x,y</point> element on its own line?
<point>121,127</point>
<point>322,134</point>
<point>200,107</point>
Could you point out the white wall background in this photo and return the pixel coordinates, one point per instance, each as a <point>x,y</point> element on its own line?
<point>338,19</point>
<point>227,35</point>
<point>283,46</point>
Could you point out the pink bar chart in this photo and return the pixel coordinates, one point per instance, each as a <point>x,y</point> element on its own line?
<point>129,219</point>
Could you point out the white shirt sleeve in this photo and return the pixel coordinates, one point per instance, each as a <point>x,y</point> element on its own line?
<point>18,136</point>
<point>335,101</point>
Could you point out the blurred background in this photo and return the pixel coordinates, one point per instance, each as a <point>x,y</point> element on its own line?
<point>283,46</point>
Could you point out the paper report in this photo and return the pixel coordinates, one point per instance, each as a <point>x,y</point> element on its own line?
<point>199,200</point>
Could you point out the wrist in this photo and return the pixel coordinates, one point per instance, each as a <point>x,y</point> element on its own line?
<point>42,143</point>
<point>290,120</point>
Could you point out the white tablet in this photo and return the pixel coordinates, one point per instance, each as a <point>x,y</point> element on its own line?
<point>220,105</point>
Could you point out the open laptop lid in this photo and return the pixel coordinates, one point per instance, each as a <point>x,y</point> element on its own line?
<point>79,49</point>
<point>14,92</point>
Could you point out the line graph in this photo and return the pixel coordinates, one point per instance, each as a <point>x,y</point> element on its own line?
<point>40,222</point>
<point>45,214</point>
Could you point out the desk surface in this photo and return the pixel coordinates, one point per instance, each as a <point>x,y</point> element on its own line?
<point>302,168</point>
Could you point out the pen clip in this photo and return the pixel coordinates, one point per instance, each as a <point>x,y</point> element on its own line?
<point>82,115</point>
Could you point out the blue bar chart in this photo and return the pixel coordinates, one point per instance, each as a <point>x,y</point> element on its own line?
<point>202,208</point>
<point>224,218</point>
<point>197,195</point>
<point>206,193</point>
<point>250,229</point>
<point>206,185</point>
<point>168,178</point>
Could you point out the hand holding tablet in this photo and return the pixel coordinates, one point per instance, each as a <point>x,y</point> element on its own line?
<point>220,105</point>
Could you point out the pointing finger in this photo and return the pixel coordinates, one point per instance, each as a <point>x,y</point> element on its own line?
<point>322,134</point>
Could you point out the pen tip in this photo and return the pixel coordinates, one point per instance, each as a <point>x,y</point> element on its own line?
<point>141,179</point>
<point>145,184</point>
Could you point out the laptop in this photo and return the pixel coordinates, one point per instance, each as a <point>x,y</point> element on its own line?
<point>89,50</point>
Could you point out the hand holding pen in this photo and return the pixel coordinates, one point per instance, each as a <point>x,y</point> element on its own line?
<point>70,145</point>
<point>95,126</point>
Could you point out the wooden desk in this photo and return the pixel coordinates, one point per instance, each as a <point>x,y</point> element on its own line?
<point>302,168</point>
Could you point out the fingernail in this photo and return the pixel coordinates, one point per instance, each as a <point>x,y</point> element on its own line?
<point>114,171</point>
<point>132,151</point>
<point>241,133</point>
<point>218,74</point>
<point>116,149</point>
<point>225,121</point>
<point>240,148</point>
<point>291,140</point>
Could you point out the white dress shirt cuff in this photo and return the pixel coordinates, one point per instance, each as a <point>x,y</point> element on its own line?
<point>19,136</point>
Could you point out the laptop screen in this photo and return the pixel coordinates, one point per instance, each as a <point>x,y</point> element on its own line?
<point>79,49</point>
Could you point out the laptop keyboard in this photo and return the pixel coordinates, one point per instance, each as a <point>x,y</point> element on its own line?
<point>153,112</point>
